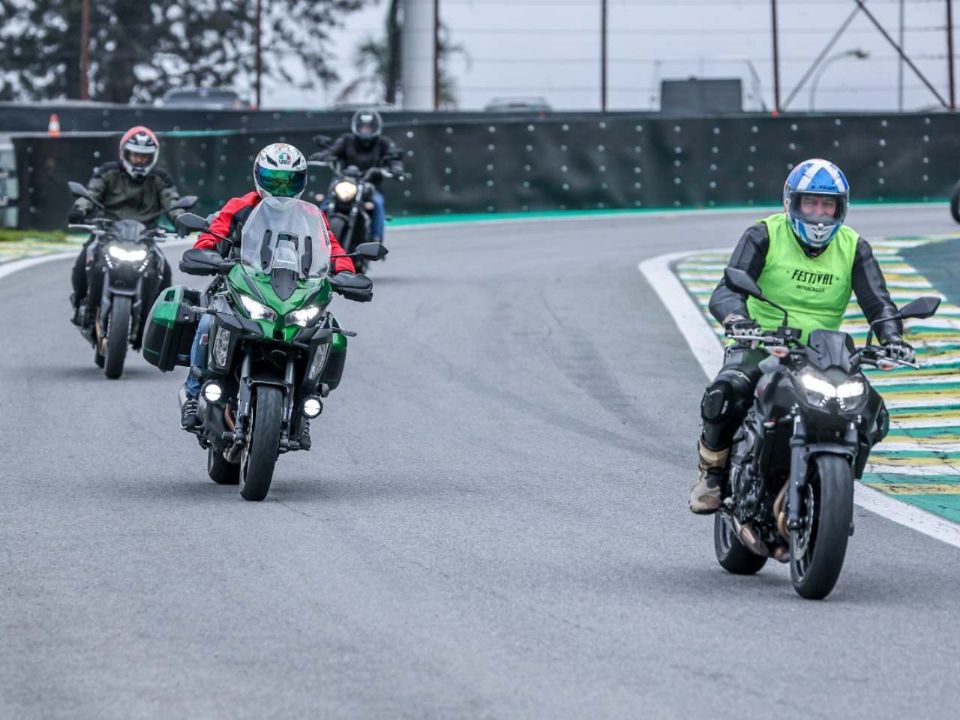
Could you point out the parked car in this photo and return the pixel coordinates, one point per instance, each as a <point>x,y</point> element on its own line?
<point>211,98</point>
<point>518,104</point>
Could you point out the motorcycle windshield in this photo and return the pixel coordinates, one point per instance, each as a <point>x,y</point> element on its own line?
<point>830,348</point>
<point>286,234</point>
<point>128,231</point>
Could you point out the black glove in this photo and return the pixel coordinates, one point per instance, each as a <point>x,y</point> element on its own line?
<point>76,216</point>
<point>739,325</point>
<point>899,349</point>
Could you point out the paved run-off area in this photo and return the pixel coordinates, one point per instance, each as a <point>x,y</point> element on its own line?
<point>919,461</point>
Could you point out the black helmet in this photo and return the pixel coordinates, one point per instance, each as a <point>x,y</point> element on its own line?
<point>366,125</point>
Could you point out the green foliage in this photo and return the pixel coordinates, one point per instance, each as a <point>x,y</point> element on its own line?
<point>140,48</point>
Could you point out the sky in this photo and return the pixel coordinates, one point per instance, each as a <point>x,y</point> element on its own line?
<point>551,48</point>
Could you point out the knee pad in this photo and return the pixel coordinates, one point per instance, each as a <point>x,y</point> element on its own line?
<point>716,402</point>
<point>727,399</point>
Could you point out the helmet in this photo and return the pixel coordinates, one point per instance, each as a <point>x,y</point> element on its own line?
<point>139,149</point>
<point>366,125</point>
<point>815,177</point>
<point>280,171</point>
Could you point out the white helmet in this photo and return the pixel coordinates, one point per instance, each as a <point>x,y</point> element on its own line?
<point>280,171</point>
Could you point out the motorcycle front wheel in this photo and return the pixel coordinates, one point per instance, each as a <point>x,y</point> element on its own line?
<point>118,332</point>
<point>263,443</point>
<point>955,202</point>
<point>818,548</point>
<point>733,555</point>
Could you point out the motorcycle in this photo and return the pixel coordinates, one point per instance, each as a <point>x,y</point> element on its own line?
<point>274,350</point>
<point>349,203</point>
<point>125,270</point>
<point>804,440</point>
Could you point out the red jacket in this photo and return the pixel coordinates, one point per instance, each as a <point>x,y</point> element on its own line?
<point>229,222</point>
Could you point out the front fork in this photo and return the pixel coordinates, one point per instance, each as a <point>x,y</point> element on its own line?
<point>799,460</point>
<point>239,435</point>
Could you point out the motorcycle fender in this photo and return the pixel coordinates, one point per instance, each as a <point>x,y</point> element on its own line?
<point>255,380</point>
<point>831,449</point>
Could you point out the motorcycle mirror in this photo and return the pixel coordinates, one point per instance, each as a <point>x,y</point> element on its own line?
<point>189,221</point>
<point>322,140</point>
<point>921,308</point>
<point>79,190</point>
<point>737,279</point>
<point>187,201</point>
<point>371,250</point>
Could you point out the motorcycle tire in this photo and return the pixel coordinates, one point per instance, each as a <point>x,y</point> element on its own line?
<point>118,333</point>
<point>817,552</point>
<point>220,470</point>
<point>733,555</point>
<point>955,202</point>
<point>263,443</point>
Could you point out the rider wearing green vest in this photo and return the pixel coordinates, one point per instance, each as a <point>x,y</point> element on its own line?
<point>806,260</point>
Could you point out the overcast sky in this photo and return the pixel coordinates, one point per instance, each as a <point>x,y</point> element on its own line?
<point>551,48</point>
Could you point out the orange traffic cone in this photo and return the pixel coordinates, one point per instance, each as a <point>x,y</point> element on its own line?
<point>53,127</point>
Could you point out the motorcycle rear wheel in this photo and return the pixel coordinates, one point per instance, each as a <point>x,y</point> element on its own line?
<point>733,555</point>
<point>263,443</point>
<point>118,332</point>
<point>818,549</point>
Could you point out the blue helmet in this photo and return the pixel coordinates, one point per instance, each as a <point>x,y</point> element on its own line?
<point>815,177</point>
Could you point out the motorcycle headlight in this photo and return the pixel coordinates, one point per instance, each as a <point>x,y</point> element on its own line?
<point>303,317</point>
<point>257,310</point>
<point>319,361</point>
<point>818,386</point>
<point>221,346</point>
<point>852,389</point>
<point>120,253</point>
<point>345,190</point>
<point>820,390</point>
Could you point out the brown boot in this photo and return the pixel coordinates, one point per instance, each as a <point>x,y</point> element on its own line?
<point>705,496</point>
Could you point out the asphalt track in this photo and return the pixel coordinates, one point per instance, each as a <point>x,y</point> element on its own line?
<point>492,523</point>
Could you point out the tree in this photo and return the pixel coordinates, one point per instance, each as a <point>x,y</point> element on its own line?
<point>140,48</point>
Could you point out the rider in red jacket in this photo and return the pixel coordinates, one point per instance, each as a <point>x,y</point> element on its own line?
<point>280,170</point>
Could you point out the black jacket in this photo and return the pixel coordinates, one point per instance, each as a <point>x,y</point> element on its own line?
<point>868,283</point>
<point>382,154</point>
<point>128,198</point>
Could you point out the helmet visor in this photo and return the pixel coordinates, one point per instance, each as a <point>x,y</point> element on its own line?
<point>282,183</point>
<point>814,208</point>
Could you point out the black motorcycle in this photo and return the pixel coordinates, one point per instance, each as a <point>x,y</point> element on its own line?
<point>348,203</point>
<point>794,459</point>
<point>125,270</point>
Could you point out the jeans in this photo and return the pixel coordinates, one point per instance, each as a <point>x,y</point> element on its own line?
<point>198,356</point>
<point>379,218</point>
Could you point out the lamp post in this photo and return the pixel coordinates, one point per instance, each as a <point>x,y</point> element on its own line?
<point>85,50</point>
<point>858,53</point>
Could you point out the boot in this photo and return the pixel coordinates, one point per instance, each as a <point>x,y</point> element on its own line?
<point>188,414</point>
<point>706,495</point>
<point>76,319</point>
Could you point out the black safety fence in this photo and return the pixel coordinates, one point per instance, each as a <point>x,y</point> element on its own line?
<point>510,165</point>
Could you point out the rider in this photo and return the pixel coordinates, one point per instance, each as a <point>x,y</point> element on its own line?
<point>132,189</point>
<point>366,148</point>
<point>279,171</point>
<point>806,260</point>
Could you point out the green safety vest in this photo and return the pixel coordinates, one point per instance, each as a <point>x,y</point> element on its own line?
<point>814,290</point>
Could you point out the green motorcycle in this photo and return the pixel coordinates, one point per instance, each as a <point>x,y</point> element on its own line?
<point>274,351</point>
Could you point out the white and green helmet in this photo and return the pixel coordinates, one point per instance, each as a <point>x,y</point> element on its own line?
<point>280,171</point>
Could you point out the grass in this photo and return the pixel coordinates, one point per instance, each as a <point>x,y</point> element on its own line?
<point>51,236</point>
